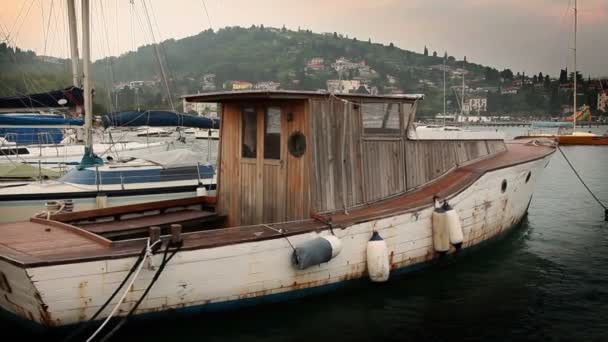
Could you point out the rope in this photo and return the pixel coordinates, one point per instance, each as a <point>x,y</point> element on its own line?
<point>585,185</point>
<point>156,276</point>
<point>147,254</point>
<point>282,232</point>
<point>124,281</point>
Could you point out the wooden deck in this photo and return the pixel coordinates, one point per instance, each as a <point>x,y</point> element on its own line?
<point>32,244</point>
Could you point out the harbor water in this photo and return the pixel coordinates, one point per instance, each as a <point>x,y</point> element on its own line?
<point>545,281</point>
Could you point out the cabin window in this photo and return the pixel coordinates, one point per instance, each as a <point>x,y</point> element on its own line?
<point>381,118</point>
<point>249,133</point>
<point>272,133</point>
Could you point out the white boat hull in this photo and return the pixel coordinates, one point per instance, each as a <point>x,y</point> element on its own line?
<point>64,157</point>
<point>258,271</point>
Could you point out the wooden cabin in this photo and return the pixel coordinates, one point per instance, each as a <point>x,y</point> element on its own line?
<point>285,155</point>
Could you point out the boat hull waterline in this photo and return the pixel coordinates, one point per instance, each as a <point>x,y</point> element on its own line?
<point>261,271</point>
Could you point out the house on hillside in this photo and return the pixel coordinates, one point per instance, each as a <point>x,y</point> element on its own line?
<point>267,85</point>
<point>476,104</point>
<point>343,64</point>
<point>343,86</point>
<point>316,64</point>
<point>201,108</point>
<point>241,85</point>
<point>208,83</point>
<point>602,101</point>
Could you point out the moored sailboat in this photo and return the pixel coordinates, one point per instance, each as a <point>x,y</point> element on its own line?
<point>574,137</point>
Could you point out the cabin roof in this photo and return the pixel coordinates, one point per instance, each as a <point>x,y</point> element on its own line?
<point>223,96</point>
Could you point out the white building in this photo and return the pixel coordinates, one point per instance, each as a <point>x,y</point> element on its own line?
<point>201,108</point>
<point>343,64</point>
<point>475,105</point>
<point>316,63</point>
<point>602,101</point>
<point>267,85</point>
<point>343,86</point>
<point>208,83</point>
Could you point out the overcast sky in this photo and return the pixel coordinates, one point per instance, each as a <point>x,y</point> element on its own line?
<point>524,35</point>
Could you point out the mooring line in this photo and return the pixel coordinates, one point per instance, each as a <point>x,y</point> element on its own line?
<point>585,185</point>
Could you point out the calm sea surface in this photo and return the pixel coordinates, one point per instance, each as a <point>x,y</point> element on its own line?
<point>546,281</point>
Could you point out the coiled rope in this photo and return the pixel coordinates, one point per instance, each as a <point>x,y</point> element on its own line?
<point>585,185</point>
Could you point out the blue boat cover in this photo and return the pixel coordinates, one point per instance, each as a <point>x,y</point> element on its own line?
<point>23,120</point>
<point>30,136</point>
<point>64,98</point>
<point>157,118</point>
<point>24,135</point>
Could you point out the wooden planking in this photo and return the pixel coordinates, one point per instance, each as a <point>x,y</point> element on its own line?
<point>298,199</point>
<point>337,158</point>
<point>427,159</point>
<point>257,189</point>
<point>383,168</point>
<point>229,168</point>
<point>274,195</point>
<point>247,193</point>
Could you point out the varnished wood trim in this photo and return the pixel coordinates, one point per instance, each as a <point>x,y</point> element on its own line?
<point>91,236</point>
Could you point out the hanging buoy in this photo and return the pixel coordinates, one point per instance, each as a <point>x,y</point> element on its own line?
<point>441,234</point>
<point>201,191</point>
<point>316,251</point>
<point>378,267</point>
<point>453,222</point>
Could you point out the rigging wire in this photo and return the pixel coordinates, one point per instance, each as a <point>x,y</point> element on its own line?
<point>583,182</point>
<point>157,54</point>
<point>48,27</point>
<point>207,14</point>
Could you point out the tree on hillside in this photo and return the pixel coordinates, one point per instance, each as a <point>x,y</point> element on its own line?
<point>534,79</point>
<point>563,75</point>
<point>541,78</point>
<point>547,82</point>
<point>465,59</point>
<point>434,53</point>
<point>491,75</point>
<point>426,51</point>
<point>507,75</point>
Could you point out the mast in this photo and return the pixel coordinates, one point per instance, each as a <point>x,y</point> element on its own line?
<point>86,69</point>
<point>575,73</point>
<point>73,42</point>
<point>462,96</point>
<point>444,60</point>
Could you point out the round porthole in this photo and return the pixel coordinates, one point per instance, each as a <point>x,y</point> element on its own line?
<point>503,186</point>
<point>297,144</point>
<point>528,176</point>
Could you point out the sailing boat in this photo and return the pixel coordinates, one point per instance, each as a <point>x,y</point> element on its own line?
<point>575,137</point>
<point>98,184</point>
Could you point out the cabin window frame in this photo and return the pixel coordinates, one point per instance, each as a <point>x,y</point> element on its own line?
<point>396,133</point>
<point>266,108</point>
<point>242,131</point>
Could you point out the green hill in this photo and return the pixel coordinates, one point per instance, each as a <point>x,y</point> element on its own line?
<point>268,54</point>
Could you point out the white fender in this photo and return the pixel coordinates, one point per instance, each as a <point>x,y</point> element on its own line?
<point>453,223</point>
<point>378,267</point>
<point>441,234</point>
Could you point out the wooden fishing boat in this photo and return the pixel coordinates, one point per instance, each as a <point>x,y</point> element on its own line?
<point>306,180</point>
